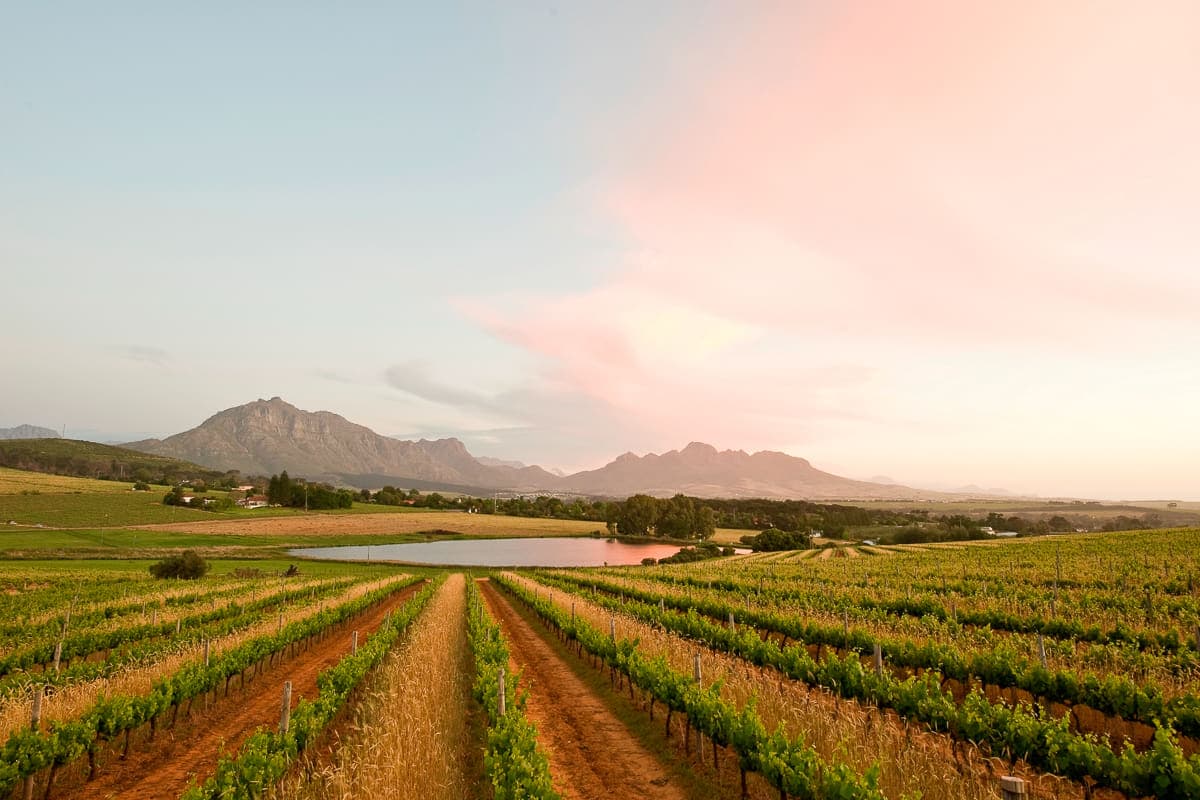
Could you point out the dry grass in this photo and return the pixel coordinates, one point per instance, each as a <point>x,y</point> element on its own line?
<point>414,722</point>
<point>73,700</point>
<point>15,481</point>
<point>482,525</point>
<point>913,762</point>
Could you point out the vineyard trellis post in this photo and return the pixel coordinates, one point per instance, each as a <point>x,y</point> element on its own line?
<point>35,722</point>
<point>878,659</point>
<point>285,713</point>
<point>500,709</point>
<point>1013,788</point>
<point>354,643</point>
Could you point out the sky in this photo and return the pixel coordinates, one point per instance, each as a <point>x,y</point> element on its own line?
<point>948,243</point>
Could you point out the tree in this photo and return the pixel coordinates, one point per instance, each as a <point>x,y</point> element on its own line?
<point>187,565</point>
<point>279,490</point>
<point>677,518</point>
<point>637,516</point>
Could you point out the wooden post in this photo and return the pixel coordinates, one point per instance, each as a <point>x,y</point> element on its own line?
<point>846,629</point>
<point>57,654</point>
<point>572,613</point>
<point>1013,788</point>
<point>207,646</point>
<point>285,713</point>
<point>500,693</point>
<point>696,666</point>
<point>277,630</point>
<point>878,659</point>
<point>662,606</point>
<point>154,617</point>
<point>612,628</point>
<point>178,623</point>
<point>1042,651</point>
<point>354,643</point>
<point>35,721</point>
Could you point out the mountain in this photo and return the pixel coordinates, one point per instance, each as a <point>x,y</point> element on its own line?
<point>28,432</point>
<point>488,461</point>
<point>703,471</point>
<point>269,436</point>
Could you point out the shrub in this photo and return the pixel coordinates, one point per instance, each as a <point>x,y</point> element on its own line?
<point>188,565</point>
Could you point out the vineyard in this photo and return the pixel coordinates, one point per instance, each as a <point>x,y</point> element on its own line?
<point>1061,667</point>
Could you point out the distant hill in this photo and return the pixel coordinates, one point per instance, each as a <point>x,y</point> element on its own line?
<point>701,470</point>
<point>488,461</point>
<point>28,432</point>
<point>268,436</point>
<point>91,460</point>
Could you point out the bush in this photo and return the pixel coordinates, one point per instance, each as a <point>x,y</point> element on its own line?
<point>141,486</point>
<point>773,540</point>
<point>188,565</point>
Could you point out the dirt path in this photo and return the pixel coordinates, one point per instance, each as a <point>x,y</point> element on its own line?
<point>164,768</point>
<point>592,754</point>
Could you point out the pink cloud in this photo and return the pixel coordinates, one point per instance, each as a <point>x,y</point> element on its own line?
<point>886,178</point>
<point>928,153</point>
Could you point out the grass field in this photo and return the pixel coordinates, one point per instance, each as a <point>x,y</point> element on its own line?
<point>55,501</point>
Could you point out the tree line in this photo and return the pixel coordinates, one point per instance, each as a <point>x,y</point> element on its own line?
<point>283,491</point>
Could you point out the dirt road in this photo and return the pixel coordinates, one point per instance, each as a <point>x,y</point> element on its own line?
<point>592,754</point>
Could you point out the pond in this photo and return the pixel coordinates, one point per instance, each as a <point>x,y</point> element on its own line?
<point>562,551</point>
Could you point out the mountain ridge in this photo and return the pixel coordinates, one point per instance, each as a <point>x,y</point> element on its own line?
<point>268,436</point>
<point>28,432</point>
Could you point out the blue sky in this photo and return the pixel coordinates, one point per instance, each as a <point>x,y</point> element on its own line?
<point>222,202</point>
<point>897,239</point>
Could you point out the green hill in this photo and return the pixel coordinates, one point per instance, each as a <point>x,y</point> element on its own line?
<point>102,461</point>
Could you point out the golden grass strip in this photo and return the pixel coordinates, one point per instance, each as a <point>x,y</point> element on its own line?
<point>413,722</point>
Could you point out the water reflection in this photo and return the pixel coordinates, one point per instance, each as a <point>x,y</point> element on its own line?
<point>543,552</point>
